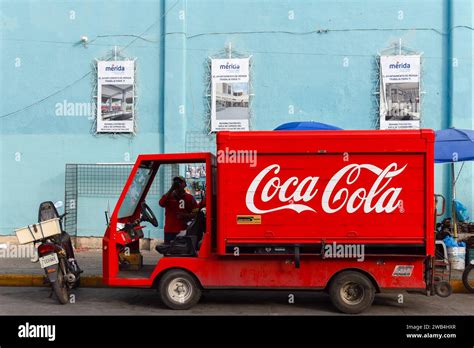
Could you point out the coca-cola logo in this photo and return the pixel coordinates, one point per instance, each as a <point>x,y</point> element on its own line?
<point>340,192</point>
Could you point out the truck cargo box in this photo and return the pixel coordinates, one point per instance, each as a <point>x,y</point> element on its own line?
<point>307,188</point>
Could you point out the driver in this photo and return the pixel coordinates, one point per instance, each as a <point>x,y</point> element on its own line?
<point>179,208</point>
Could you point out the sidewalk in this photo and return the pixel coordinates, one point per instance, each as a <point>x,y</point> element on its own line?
<point>22,272</point>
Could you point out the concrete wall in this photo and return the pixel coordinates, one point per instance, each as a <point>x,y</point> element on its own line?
<point>37,143</point>
<point>297,74</point>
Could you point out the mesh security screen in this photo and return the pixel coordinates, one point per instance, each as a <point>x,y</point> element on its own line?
<point>104,181</point>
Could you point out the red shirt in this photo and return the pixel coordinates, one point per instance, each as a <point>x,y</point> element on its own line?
<point>173,206</point>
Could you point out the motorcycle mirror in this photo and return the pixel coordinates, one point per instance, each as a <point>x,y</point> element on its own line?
<point>58,204</point>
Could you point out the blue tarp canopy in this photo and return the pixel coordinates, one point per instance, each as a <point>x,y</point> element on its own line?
<point>309,125</point>
<point>454,145</point>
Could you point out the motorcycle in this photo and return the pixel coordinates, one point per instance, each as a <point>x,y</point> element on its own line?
<point>56,255</point>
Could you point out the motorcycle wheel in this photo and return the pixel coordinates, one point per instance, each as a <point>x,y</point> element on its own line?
<point>60,287</point>
<point>77,283</point>
<point>468,278</point>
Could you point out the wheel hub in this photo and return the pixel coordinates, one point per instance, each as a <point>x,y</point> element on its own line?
<point>180,290</point>
<point>352,293</point>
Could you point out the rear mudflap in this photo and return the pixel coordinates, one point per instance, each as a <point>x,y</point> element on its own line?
<point>52,272</point>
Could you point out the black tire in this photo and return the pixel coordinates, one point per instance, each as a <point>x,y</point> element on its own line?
<point>468,273</point>
<point>179,290</point>
<point>60,287</point>
<point>443,289</point>
<point>351,292</point>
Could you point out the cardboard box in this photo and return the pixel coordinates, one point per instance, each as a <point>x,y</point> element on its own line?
<point>132,261</point>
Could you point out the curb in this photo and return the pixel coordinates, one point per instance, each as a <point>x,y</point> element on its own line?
<point>95,281</point>
<point>458,287</point>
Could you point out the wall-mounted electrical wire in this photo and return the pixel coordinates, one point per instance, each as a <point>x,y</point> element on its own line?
<point>136,37</point>
<point>192,36</point>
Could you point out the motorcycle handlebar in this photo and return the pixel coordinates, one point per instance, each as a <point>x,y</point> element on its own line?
<point>62,216</point>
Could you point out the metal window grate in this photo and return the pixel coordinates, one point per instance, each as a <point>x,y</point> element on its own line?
<point>200,142</point>
<point>104,179</point>
<point>107,181</point>
<point>101,180</point>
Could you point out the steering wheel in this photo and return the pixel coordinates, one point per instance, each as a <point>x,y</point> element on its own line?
<point>148,215</point>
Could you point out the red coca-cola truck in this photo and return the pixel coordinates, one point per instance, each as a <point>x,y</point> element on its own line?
<point>347,212</point>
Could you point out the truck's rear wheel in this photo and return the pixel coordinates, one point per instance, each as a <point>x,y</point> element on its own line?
<point>351,292</point>
<point>179,290</point>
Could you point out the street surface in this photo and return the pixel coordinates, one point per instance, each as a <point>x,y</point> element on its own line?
<point>113,301</point>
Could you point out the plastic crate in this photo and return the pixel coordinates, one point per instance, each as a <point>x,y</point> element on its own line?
<point>38,231</point>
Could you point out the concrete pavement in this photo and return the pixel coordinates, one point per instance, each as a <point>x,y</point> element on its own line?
<point>103,301</point>
<point>90,260</point>
<point>23,272</point>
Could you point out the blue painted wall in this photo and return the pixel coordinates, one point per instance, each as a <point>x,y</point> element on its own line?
<point>297,73</point>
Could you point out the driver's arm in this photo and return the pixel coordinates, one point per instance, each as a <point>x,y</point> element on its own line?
<point>164,200</point>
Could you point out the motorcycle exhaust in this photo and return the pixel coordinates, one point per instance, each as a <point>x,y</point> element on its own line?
<point>70,278</point>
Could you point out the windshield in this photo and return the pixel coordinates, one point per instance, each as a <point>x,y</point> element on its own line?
<point>135,192</point>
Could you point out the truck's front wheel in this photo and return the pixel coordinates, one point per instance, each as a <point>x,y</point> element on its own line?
<point>351,292</point>
<point>179,290</point>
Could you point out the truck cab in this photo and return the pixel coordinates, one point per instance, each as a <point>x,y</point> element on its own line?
<point>137,208</point>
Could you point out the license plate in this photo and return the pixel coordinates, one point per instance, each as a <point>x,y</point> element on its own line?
<point>48,260</point>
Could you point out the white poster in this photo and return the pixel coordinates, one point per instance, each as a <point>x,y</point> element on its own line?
<point>230,94</point>
<point>400,92</point>
<point>115,96</point>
